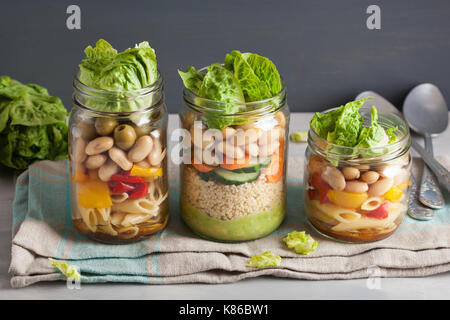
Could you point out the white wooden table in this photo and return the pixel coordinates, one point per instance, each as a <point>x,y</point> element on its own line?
<point>433,287</point>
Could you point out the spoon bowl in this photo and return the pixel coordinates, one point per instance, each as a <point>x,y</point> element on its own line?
<point>425,110</point>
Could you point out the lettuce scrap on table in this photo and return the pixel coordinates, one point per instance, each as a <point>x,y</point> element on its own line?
<point>244,77</point>
<point>66,269</point>
<point>344,127</point>
<point>106,69</point>
<point>264,260</point>
<point>32,124</point>
<point>300,242</point>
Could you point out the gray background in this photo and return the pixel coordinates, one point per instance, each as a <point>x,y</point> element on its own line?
<point>322,48</point>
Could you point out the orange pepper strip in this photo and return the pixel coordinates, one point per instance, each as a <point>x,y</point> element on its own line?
<point>94,194</point>
<point>274,171</point>
<point>138,171</point>
<point>203,167</point>
<point>234,164</point>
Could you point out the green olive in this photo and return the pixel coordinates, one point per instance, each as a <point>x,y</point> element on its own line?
<point>142,130</point>
<point>86,130</point>
<point>124,136</point>
<point>105,126</point>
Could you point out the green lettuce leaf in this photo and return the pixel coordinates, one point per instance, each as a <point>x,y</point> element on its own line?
<point>192,79</point>
<point>372,137</point>
<point>257,75</point>
<point>264,260</point>
<point>253,87</point>
<point>32,124</point>
<point>66,269</point>
<point>219,84</point>
<point>340,126</point>
<point>300,242</point>
<point>105,69</point>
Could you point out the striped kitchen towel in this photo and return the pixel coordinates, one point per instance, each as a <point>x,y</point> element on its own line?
<point>42,228</point>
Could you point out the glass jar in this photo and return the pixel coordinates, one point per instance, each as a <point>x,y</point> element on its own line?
<point>355,198</point>
<point>233,175</point>
<point>118,166</point>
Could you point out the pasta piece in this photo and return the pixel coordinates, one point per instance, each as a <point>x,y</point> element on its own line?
<point>340,214</point>
<point>128,232</point>
<point>136,218</point>
<point>119,198</point>
<point>140,206</point>
<point>372,203</point>
<point>117,217</point>
<point>103,215</point>
<point>155,193</point>
<point>395,210</point>
<point>108,229</point>
<point>89,217</point>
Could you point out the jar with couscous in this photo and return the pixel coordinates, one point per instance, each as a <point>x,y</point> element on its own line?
<point>357,173</point>
<point>234,158</point>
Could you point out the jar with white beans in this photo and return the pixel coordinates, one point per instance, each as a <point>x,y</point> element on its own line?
<point>233,174</point>
<point>118,163</point>
<point>353,198</point>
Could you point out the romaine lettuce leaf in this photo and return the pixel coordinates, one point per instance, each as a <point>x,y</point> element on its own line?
<point>105,69</point>
<point>257,75</point>
<point>192,79</point>
<point>372,137</point>
<point>264,260</point>
<point>253,87</point>
<point>300,242</point>
<point>219,84</point>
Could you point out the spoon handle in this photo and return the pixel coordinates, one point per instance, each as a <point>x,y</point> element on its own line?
<point>429,193</point>
<point>415,209</point>
<point>442,174</point>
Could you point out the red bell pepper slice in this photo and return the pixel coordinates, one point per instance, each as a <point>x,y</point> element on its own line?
<point>139,191</point>
<point>126,178</point>
<point>320,186</point>
<point>382,212</point>
<point>120,187</point>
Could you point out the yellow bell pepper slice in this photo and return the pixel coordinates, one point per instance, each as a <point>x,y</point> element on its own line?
<point>94,194</point>
<point>393,194</point>
<point>79,176</point>
<point>138,171</point>
<point>346,199</point>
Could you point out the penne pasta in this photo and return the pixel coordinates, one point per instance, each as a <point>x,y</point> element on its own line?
<point>340,214</point>
<point>139,206</point>
<point>372,203</point>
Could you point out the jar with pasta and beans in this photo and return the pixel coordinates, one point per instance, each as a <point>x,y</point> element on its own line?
<point>358,194</point>
<point>233,175</point>
<point>118,163</point>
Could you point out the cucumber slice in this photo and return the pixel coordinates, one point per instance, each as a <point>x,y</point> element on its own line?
<point>231,177</point>
<point>255,167</point>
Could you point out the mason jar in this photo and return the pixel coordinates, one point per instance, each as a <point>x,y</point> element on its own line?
<point>233,175</point>
<point>118,163</point>
<point>351,198</point>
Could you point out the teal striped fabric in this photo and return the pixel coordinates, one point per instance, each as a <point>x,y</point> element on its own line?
<point>42,228</point>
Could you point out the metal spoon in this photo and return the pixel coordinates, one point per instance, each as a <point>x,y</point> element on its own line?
<point>415,209</point>
<point>426,113</point>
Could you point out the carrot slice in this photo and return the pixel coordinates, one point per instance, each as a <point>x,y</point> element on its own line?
<point>203,167</point>
<point>274,171</point>
<point>233,164</point>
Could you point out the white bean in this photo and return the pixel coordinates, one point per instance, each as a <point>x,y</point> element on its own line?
<point>370,177</point>
<point>350,173</point>
<point>157,154</point>
<point>99,145</point>
<point>334,178</point>
<point>380,187</point>
<point>252,149</point>
<point>141,149</point>
<point>95,161</point>
<point>107,170</point>
<point>230,151</point>
<point>356,186</point>
<point>268,149</point>
<point>78,150</point>
<point>120,158</point>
